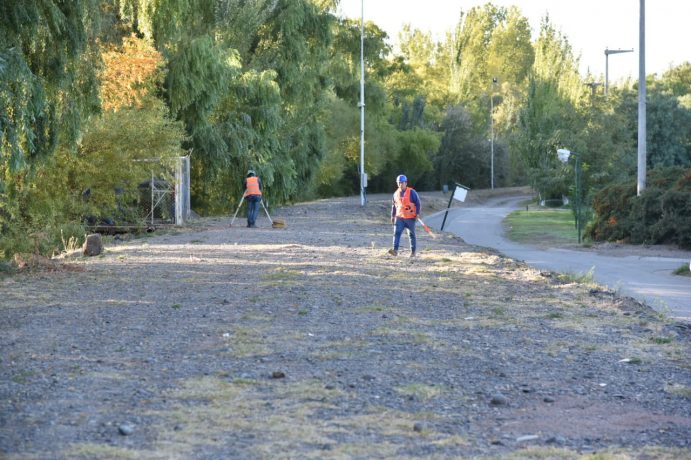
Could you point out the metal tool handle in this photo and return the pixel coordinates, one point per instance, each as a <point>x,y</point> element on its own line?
<point>237,210</point>
<point>266,211</point>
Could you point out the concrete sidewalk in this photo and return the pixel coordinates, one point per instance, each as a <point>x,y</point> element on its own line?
<point>648,279</point>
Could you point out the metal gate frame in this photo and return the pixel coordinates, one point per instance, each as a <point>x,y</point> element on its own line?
<point>180,191</point>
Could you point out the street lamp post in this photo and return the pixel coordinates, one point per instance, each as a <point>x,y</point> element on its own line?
<point>607,53</point>
<point>491,127</point>
<point>361,105</point>
<point>642,117</point>
<point>563,155</point>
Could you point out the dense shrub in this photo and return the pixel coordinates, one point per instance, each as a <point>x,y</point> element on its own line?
<point>662,214</point>
<point>45,206</point>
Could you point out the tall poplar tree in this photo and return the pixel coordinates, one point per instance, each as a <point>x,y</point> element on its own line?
<point>549,118</point>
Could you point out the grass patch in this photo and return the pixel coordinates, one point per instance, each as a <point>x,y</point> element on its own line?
<point>579,278</point>
<point>22,377</point>
<point>404,336</point>
<point>499,311</point>
<point>419,390</point>
<point>280,277</point>
<point>555,315</point>
<point>206,409</point>
<point>246,341</point>
<point>683,270</point>
<point>542,228</point>
<point>546,453</point>
<point>209,389</point>
<point>662,340</point>
<point>91,450</point>
<point>658,453</point>
<point>371,309</point>
<point>7,268</point>
<point>679,390</point>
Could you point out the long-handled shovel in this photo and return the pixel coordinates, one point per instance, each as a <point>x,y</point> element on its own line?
<point>427,229</point>
<point>237,210</point>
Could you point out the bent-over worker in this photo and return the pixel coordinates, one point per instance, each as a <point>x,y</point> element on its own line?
<point>253,194</point>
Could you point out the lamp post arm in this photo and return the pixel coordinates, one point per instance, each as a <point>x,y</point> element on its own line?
<point>607,53</point>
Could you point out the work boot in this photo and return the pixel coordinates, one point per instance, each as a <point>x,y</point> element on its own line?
<point>393,252</point>
<point>412,254</point>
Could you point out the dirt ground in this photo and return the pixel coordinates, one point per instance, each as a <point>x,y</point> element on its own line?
<point>311,342</point>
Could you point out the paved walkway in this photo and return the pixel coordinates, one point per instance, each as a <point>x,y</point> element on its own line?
<point>648,279</point>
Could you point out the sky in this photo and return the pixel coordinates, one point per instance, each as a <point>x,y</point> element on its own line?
<point>589,25</point>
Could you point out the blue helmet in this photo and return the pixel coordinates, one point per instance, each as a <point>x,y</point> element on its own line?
<point>401,178</point>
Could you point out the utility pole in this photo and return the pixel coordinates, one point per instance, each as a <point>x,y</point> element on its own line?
<point>363,176</point>
<point>642,123</point>
<point>491,127</point>
<point>607,53</point>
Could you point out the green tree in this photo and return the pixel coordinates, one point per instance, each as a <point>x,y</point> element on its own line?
<point>48,84</point>
<point>549,118</point>
<point>295,41</point>
<point>668,122</point>
<point>247,77</point>
<point>97,177</point>
<point>342,122</point>
<point>493,57</point>
<point>462,154</point>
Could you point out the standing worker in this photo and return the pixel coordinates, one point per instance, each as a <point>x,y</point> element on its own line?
<point>404,211</point>
<point>253,194</point>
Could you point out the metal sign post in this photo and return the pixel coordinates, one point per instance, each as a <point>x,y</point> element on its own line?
<point>459,193</point>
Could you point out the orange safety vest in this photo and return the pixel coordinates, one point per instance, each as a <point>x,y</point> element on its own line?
<point>253,186</point>
<point>405,209</point>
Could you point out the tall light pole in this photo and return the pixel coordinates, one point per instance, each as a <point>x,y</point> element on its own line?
<point>491,127</point>
<point>563,155</point>
<point>642,124</point>
<point>607,53</point>
<point>363,176</point>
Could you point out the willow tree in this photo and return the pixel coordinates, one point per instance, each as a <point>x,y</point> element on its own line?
<point>247,78</point>
<point>48,83</point>
<point>48,88</point>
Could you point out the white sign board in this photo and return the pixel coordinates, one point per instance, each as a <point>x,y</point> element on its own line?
<point>460,193</point>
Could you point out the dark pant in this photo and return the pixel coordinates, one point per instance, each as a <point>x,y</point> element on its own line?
<point>401,224</point>
<point>252,209</point>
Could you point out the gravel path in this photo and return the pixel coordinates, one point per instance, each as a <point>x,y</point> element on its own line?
<point>311,342</point>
